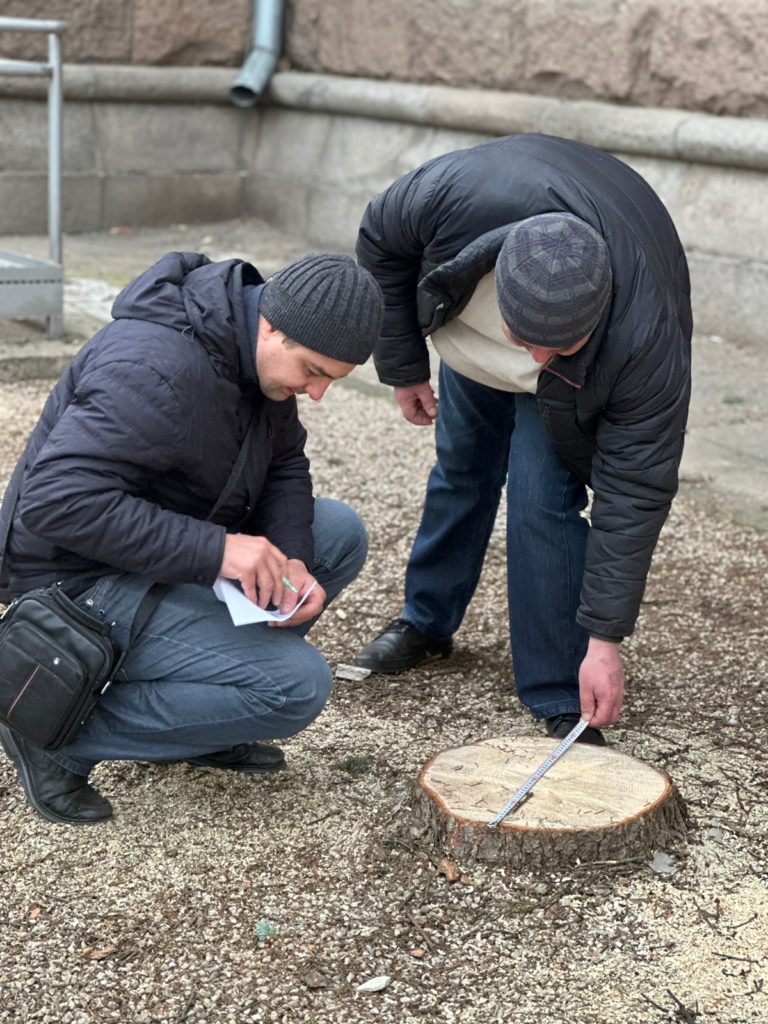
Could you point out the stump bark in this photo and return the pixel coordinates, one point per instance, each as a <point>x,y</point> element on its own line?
<point>595,804</point>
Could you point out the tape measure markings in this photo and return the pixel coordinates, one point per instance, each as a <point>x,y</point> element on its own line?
<point>540,772</point>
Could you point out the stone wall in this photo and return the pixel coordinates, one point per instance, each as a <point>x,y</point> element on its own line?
<point>693,54</point>
<point>150,136</point>
<point>174,32</point>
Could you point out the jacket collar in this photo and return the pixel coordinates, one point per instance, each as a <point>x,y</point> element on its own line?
<point>574,369</point>
<point>246,340</point>
<point>455,280</point>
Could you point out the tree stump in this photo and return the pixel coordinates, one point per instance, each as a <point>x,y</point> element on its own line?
<point>595,804</point>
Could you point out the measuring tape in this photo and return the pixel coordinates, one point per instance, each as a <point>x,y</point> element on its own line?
<point>540,772</point>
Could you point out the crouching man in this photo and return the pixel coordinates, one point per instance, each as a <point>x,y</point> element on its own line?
<point>134,475</point>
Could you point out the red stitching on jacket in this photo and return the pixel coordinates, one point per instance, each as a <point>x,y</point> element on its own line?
<point>571,382</point>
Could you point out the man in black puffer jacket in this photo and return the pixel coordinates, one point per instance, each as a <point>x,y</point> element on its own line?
<point>128,480</point>
<point>535,247</point>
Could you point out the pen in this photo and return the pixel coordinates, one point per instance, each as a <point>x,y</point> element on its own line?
<point>290,586</point>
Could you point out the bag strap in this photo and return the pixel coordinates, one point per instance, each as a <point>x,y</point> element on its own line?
<point>157,591</point>
<point>237,469</point>
<point>147,605</point>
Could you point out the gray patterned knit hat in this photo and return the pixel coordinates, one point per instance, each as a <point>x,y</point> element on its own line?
<point>553,279</point>
<point>328,303</point>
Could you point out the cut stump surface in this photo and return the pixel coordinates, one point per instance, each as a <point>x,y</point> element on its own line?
<point>596,803</point>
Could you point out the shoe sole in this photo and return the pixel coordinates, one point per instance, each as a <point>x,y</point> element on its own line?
<point>590,742</point>
<point>14,753</point>
<point>593,743</point>
<point>235,768</point>
<point>396,668</point>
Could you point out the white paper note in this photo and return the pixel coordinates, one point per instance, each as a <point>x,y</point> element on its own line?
<point>243,610</point>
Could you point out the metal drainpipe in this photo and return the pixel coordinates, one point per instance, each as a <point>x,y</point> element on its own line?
<point>265,53</point>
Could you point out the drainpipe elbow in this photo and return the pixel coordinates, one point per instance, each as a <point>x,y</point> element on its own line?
<point>253,78</point>
<point>261,62</point>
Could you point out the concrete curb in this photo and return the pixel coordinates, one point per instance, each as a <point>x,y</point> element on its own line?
<point>36,360</point>
<point>650,131</point>
<point>131,84</point>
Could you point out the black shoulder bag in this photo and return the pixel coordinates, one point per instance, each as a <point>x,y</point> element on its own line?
<point>56,660</point>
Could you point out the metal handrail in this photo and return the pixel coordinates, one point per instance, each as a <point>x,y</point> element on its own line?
<point>23,67</point>
<point>52,71</point>
<point>32,25</point>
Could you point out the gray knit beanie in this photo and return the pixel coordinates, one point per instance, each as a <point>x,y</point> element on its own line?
<point>553,279</point>
<point>328,303</point>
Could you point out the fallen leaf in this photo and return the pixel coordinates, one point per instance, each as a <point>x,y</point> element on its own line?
<point>374,984</point>
<point>418,952</point>
<point>449,869</point>
<point>98,954</point>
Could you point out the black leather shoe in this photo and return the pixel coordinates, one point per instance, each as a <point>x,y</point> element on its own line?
<point>401,646</point>
<point>560,725</point>
<point>245,757</point>
<point>56,793</point>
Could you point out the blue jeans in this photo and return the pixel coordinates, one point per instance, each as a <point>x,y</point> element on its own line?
<point>195,683</point>
<point>483,437</point>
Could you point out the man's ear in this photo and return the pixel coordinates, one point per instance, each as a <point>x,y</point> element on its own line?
<point>267,332</point>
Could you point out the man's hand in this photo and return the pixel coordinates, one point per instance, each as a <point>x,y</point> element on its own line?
<point>301,579</point>
<point>258,565</point>
<point>418,403</point>
<point>601,684</point>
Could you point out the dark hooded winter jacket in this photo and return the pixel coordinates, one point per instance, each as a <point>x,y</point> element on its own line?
<point>138,437</point>
<point>617,409</point>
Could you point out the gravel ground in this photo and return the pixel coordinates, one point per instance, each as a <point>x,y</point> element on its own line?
<point>213,898</point>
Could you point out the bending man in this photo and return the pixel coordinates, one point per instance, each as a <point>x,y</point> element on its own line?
<point>555,289</point>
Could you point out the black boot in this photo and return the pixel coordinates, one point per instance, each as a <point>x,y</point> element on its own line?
<point>245,757</point>
<point>56,793</point>
<point>560,725</point>
<point>401,646</point>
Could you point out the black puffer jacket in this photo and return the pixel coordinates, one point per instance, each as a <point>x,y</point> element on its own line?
<point>617,409</point>
<point>138,437</point>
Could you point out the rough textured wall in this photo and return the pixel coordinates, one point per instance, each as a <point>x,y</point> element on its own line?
<point>698,54</point>
<point>182,32</point>
<point>695,54</point>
